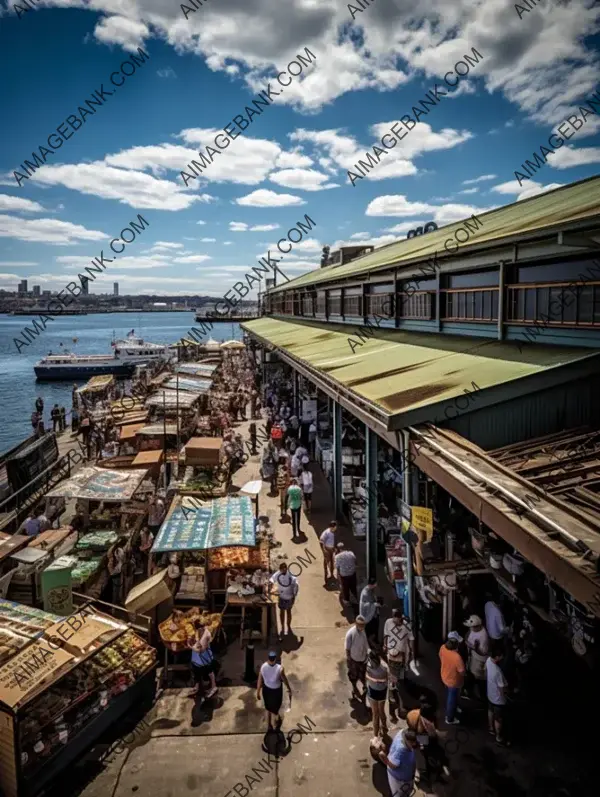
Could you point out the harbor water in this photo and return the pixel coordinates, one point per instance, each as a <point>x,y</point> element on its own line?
<point>94,333</point>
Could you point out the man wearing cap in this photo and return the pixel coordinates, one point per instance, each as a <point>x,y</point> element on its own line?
<point>357,649</point>
<point>345,566</point>
<point>453,675</point>
<point>478,644</point>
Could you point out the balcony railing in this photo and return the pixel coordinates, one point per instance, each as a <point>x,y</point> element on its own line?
<point>470,304</point>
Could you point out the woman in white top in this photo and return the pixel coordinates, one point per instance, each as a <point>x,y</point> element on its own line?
<point>270,682</point>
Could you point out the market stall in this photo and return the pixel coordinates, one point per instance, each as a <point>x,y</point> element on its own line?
<point>63,682</point>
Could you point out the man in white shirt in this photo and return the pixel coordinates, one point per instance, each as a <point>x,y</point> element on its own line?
<point>496,695</point>
<point>327,540</point>
<point>357,648</point>
<point>287,586</point>
<point>306,480</point>
<point>494,620</point>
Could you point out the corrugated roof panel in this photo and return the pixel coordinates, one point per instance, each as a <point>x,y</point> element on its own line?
<point>403,371</point>
<point>567,204</point>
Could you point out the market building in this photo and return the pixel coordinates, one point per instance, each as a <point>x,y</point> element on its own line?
<point>452,382</point>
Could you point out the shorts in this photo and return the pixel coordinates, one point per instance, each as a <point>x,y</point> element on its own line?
<point>377,694</point>
<point>286,603</point>
<point>497,711</point>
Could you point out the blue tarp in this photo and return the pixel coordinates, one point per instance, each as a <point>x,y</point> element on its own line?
<point>225,522</point>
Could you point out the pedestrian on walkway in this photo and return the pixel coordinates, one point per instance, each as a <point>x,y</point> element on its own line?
<point>345,566</point>
<point>306,480</point>
<point>287,585</point>
<point>357,648</point>
<point>377,684</point>
<point>369,608</point>
<point>478,645</point>
<point>55,418</point>
<point>453,675</point>
<point>271,678</point>
<point>496,694</point>
<point>401,763</point>
<point>327,541</point>
<point>283,481</point>
<point>398,646</point>
<point>203,660</point>
<point>294,500</point>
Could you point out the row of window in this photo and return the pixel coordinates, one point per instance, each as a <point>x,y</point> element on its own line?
<point>560,304</point>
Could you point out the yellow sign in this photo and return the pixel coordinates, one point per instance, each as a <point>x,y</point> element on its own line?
<point>422,520</point>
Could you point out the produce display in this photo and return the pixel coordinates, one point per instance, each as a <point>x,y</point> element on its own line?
<point>67,706</point>
<point>179,628</point>
<point>97,540</point>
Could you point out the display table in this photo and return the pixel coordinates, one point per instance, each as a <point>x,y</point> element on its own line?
<point>266,605</point>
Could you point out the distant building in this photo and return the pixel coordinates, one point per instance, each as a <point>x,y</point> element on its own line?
<point>115,288</point>
<point>37,291</point>
<point>85,287</point>
<point>23,286</point>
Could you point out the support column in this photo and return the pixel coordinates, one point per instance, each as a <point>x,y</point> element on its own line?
<point>337,458</point>
<point>371,458</point>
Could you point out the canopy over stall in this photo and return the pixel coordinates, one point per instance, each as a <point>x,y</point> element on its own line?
<point>98,384</point>
<point>198,526</point>
<point>99,484</point>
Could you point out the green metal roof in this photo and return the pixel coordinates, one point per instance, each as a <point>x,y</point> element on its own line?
<point>567,204</point>
<point>401,372</point>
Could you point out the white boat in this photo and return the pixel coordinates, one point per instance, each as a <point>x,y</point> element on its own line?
<point>127,354</point>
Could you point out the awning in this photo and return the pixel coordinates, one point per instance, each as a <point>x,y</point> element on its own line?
<point>100,484</point>
<point>548,532</point>
<point>404,378</point>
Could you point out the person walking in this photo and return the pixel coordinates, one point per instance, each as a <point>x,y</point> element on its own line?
<point>271,678</point>
<point>422,721</point>
<point>377,684</point>
<point>203,660</point>
<point>398,646</point>
<point>345,567</point>
<point>55,418</point>
<point>327,541</point>
<point>294,500</point>
<point>287,585</point>
<point>453,675</point>
<point>357,649</point>
<point>478,645</point>
<point>496,694</point>
<point>306,480</point>
<point>369,608</point>
<point>283,481</point>
<point>401,763</point>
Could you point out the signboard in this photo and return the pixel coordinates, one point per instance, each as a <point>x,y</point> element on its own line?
<point>309,410</point>
<point>24,672</point>
<point>57,591</point>
<point>422,521</point>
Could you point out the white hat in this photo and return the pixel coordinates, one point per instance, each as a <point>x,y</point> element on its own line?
<point>455,635</point>
<point>473,621</point>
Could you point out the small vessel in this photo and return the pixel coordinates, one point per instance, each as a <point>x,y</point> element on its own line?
<point>127,354</point>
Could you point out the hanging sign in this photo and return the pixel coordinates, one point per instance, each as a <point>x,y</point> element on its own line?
<point>422,521</point>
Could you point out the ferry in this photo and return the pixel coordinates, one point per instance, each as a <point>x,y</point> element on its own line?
<point>127,354</point>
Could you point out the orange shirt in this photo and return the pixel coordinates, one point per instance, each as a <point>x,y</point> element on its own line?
<point>453,667</point>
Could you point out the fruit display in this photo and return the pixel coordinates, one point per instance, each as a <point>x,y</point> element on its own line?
<point>179,628</point>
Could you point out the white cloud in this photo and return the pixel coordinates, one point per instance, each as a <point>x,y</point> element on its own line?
<point>303,179</point>
<point>18,204</point>
<point>263,198</point>
<point>49,231</point>
<point>480,179</point>
<point>566,157</point>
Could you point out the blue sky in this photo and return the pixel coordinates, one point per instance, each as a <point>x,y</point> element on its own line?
<point>202,71</point>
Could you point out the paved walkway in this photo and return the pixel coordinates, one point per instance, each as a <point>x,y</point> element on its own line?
<point>182,750</point>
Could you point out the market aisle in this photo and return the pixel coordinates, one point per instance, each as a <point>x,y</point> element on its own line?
<point>331,759</point>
